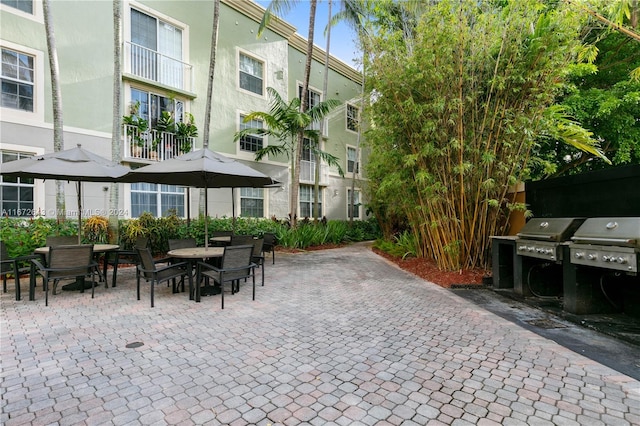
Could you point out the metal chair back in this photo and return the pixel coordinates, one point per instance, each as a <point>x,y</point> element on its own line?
<point>61,240</point>
<point>241,240</point>
<point>182,243</point>
<point>234,261</point>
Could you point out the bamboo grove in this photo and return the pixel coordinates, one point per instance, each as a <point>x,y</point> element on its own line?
<point>457,103</point>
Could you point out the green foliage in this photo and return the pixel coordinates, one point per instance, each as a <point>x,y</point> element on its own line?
<point>460,95</point>
<point>22,236</point>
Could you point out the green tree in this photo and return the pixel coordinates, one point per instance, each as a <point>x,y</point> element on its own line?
<point>278,6</point>
<point>458,102</point>
<point>284,122</point>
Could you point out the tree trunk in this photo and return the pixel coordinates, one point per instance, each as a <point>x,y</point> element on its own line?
<point>116,129</point>
<point>295,185</point>
<point>56,98</point>
<point>207,111</point>
<point>325,89</point>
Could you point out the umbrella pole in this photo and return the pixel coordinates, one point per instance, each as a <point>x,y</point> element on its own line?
<point>188,207</point>
<point>206,218</point>
<point>79,212</point>
<point>233,209</point>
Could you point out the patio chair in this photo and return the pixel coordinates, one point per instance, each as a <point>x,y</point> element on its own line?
<point>236,265</point>
<point>150,270</point>
<point>68,262</point>
<point>215,234</point>
<point>270,242</point>
<point>124,257</point>
<point>180,243</point>
<point>241,240</point>
<point>61,240</point>
<point>15,266</point>
<point>257,256</point>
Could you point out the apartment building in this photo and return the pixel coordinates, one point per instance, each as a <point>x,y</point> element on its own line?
<point>165,63</point>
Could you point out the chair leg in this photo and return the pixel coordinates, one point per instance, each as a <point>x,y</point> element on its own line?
<point>4,283</point>
<point>46,292</point>
<point>115,271</point>
<point>262,272</point>
<point>254,283</point>
<point>93,283</point>
<point>138,285</point>
<point>152,285</point>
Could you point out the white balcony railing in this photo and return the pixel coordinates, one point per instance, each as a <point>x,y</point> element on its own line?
<point>155,66</point>
<point>308,172</point>
<point>153,145</point>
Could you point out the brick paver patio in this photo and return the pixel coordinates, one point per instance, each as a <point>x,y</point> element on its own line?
<point>334,337</point>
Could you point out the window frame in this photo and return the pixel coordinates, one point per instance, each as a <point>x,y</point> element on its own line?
<point>35,15</point>
<point>243,196</point>
<point>38,196</point>
<point>242,126</point>
<point>37,115</point>
<point>358,193</point>
<point>158,202</point>
<point>242,52</point>
<point>356,164</point>
<point>310,202</point>
<point>349,119</point>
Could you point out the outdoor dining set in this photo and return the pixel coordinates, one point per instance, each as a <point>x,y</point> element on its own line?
<point>230,259</point>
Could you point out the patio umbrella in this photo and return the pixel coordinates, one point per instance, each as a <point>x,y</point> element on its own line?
<point>75,164</point>
<point>202,168</point>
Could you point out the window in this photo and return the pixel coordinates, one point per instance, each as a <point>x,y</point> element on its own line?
<point>353,211</point>
<point>17,80</point>
<point>251,143</point>
<point>152,106</point>
<point>16,194</point>
<point>22,5</point>
<point>251,202</point>
<point>352,118</point>
<point>352,160</point>
<point>156,199</point>
<point>314,99</point>
<point>307,201</point>
<point>251,74</point>
<point>156,49</point>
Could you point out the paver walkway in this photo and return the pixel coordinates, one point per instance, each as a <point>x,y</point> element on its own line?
<point>334,337</point>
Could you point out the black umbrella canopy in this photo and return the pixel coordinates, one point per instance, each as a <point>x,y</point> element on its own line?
<point>202,168</point>
<point>75,164</point>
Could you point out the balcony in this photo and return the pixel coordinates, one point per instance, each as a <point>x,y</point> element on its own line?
<point>308,172</point>
<point>153,145</point>
<point>156,67</point>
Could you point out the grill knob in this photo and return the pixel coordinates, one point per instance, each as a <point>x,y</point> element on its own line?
<point>522,248</point>
<point>531,248</point>
<point>548,251</point>
<point>594,257</point>
<point>579,255</point>
<point>606,258</point>
<point>621,260</point>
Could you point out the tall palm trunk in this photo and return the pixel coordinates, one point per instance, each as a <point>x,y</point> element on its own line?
<point>325,89</point>
<point>56,98</point>
<point>295,187</point>
<point>116,128</point>
<point>207,111</point>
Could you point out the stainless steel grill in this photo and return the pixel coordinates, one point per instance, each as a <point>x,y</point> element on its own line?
<point>541,237</point>
<point>608,243</point>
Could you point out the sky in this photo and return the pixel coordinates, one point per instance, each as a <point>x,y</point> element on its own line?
<point>342,37</point>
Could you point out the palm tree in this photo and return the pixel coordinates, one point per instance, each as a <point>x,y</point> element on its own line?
<point>285,122</point>
<point>283,6</point>
<point>207,111</point>
<point>56,98</point>
<point>117,114</point>
<point>353,13</point>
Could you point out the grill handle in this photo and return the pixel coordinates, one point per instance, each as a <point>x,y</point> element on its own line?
<point>537,236</point>
<point>610,241</point>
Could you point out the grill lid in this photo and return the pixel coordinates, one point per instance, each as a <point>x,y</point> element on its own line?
<point>554,229</point>
<point>619,231</point>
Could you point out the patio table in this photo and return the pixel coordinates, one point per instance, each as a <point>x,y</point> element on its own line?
<point>193,255</point>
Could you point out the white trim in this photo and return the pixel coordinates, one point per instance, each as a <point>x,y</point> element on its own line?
<point>252,55</point>
<point>247,155</point>
<point>36,16</point>
<point>346,117</point>
<point>360,213</point>
<point>39,199</point>
<point>265,202</point>
<point>347,173</point>
<point>37,116</point>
